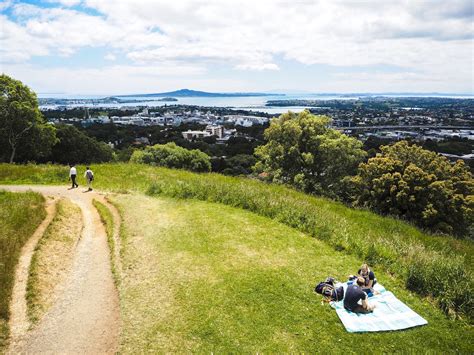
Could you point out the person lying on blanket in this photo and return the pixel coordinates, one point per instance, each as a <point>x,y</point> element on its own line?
<point>354,294</point>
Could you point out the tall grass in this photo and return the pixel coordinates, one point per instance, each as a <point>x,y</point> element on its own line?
<point>20,215</point>
<point>437,266</point>
<point>108,222</point>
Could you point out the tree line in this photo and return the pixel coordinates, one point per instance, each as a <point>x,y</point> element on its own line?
<point>26,136</point>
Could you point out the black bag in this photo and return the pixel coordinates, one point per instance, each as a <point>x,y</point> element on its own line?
<point>329,291</point>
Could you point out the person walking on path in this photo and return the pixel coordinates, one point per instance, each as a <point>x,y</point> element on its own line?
<point>73,175</point>
<point>89,175</point>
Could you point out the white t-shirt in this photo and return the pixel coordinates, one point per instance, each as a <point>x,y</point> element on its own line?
<point>72,171</point>
<point>88,174</point>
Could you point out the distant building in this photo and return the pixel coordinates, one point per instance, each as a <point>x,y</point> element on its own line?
<point>190,135</point>
<point>215,131</point>
<point>141,141</point>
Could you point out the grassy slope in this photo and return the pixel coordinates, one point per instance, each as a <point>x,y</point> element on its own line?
<point>210,278</point>
<point>52,258</point>
<point>434,265</point>
<point>20,215</point>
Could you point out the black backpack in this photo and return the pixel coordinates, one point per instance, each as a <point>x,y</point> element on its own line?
<point>329,291</point>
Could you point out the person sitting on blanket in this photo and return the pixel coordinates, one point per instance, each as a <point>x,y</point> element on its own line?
<point>354,294</point>
<point>368,275</point>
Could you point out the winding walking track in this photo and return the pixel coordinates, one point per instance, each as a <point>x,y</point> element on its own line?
<point>85,318</point>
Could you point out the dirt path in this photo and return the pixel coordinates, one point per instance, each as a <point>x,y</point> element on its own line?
<point>19,322</point>
<point>85,318</point>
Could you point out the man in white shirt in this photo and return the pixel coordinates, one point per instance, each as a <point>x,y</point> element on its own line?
<point>73,175</point>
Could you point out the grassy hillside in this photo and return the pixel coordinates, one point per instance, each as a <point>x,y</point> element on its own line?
<point>203,277</point>
<point>437,266</point>
<point>20,215</point>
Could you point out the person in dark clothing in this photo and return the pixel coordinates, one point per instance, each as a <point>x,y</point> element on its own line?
<point>368,275</point>
<point>353,295</point>
<point>89,175</point>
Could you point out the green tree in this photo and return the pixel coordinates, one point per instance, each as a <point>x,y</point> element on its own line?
<point>21,122</point>
<point>76,147</point>
<point>302,150</point>
<point>419,185</point>
<point>172,156</point>
<point>240,164</point>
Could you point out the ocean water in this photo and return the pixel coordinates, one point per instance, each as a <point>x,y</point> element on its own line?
<point>250,103</point>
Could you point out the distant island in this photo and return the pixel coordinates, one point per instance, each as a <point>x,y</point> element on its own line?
<point>195,93</point>
<point>105,100</point>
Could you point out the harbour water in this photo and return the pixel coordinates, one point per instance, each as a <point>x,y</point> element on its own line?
<point>249,103</point>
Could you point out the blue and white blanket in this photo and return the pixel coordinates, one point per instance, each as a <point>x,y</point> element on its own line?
<point>389,314</point>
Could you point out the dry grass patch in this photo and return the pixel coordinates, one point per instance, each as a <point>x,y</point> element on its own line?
<point>53,259</point>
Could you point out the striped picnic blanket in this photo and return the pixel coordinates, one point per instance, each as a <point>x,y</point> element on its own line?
<point>389,314</point>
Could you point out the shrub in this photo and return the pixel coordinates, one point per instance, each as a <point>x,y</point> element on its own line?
<point>408,181</point>
<point>172,156</point>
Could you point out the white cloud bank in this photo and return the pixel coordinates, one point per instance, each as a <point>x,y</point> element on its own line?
<point>431,38</point>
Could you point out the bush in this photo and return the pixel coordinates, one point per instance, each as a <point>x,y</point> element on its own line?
<point>171,156</point>
<point>421,186</point>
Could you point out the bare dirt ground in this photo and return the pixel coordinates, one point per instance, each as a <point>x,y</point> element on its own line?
<point>51,264</point>
<point>86,317</point>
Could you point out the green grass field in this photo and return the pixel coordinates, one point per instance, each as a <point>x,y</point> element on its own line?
<point>433,266</point>
<point>20,215</point>
<point>204,277</point>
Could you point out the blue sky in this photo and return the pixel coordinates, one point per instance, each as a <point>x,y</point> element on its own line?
<point>129,46</point>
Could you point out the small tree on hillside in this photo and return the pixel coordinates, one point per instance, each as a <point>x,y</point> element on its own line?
<point>20,119</point>
<point>419,185</point>
<point>172,156</point>
<point>302,150</point>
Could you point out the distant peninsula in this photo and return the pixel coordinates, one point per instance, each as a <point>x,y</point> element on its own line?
<point>195,93</point>
<point>105,100</point>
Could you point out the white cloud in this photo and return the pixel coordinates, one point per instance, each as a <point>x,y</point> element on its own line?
<point>110,56</point>
<point>116,79</point>
<point>258,66</point>
<point>434,37</point>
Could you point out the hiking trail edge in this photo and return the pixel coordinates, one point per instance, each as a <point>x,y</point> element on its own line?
<point>86,316</point>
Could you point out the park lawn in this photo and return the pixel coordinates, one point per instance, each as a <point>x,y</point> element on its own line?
<point>20,215</point>
<point>52,259</point>
<point>204,277</point>
<point>432,265</point>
